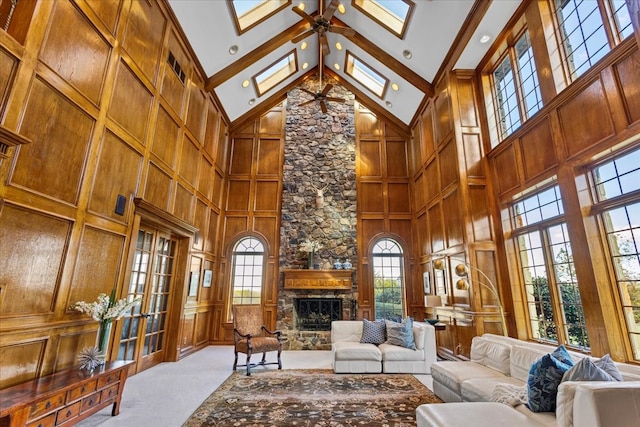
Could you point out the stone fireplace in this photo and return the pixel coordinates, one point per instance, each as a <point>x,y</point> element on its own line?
<point>316,314</point>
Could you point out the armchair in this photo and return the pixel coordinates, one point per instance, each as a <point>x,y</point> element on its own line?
<point>251,336</point>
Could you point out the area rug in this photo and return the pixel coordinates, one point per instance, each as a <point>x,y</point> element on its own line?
<point>313,397</point>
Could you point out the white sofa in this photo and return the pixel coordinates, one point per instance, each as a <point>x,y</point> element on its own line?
<point>502,360</point>
<point>349,355</point>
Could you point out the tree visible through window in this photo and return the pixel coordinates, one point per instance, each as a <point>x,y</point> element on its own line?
<point>247,273</point>
<point>388,280</point>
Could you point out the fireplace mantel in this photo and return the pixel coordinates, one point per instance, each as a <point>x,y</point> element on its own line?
<point>317,279</point>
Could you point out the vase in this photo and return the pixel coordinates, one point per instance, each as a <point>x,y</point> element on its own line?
<point>102,338</point>
<point>310,261</point>
<point>347,265</point>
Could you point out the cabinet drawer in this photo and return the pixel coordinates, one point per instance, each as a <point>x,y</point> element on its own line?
<point>90,401</point>
<point>109,379</point>
<point>67,413</point>
<point>109,393</point>
<point>48,421</point>
<point>47,405</point>
<point>83,390</point>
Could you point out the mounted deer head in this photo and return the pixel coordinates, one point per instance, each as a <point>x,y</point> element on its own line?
<point>320,195</point>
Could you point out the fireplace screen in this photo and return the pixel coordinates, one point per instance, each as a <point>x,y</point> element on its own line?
<point>316,314</point>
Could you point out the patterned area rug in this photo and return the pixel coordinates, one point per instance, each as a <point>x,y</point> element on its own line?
<point>313,397</point>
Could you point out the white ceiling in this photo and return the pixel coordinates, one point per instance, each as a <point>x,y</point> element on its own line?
<point>432,29</point>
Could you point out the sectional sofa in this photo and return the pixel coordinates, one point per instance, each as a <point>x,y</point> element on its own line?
<point>349,354</point>
<point>505,362</point>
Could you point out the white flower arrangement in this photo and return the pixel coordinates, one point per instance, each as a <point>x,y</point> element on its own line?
<point>106,308</point>
<point>310,246</point>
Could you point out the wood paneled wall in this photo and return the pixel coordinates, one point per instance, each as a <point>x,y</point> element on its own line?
<point>252,207</point>
<point>90,85</point>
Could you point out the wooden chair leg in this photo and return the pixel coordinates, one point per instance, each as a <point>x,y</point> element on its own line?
<point>249,363</point>
<point>279,360</point>
<point>235,362</point>
<point>264,358</point>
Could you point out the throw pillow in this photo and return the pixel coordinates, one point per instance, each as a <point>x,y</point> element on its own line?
<point>373,332</point>
<point>586,370</point>
<point>545,376</point>
<point>401,334</point>
<point>606,364</point>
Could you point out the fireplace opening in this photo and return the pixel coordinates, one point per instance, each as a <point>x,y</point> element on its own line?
<point>316,314</point>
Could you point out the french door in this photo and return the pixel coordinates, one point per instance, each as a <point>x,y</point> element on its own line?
<point>143,336</point>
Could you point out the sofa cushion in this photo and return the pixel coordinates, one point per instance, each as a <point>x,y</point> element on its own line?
<point>394,352</point>
<point>373,332</point>
<point>419,332</point>
<point>520,361</point>
<point>346,330</point>
<point>491,354</point>
<point>587,370</point>
<point>451,374</point>
<point>544,418</point>
<point>401,333</point>
<point>481,389</point>
<point>348,350</point>
<point>545,377</point>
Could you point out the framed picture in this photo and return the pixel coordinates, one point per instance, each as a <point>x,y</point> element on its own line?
<point>193,283</point>
<point>440,282</point>
<point>426,282</point>
<point>206,280</point>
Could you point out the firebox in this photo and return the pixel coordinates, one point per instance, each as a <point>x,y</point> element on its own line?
<point>316,314</point>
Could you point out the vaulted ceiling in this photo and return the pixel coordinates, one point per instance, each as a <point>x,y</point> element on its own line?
<point>440,34</point>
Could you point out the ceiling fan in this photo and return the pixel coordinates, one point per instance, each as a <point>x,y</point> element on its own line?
<point>321,24</point>
<point>321,95</point>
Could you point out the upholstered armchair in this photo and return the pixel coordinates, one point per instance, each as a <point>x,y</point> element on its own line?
<point>251,336</point>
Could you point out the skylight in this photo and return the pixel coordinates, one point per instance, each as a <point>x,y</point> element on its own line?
<point>249,13</point>
<point>366,75</point>
<point>391,14</point>
<point>276,73</point>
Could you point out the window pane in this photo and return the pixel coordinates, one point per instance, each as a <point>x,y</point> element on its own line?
<point>541,206</point>
<point>388,280</point>
<point>248,258</point>
<point>506,102</point>
<point>618,176</point>
<point>528,77</point>
<point>622,18</point>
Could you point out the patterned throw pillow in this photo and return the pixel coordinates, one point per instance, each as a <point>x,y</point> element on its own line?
<point>545,376</point>
<point>373,332</point>
<point>401,334</point>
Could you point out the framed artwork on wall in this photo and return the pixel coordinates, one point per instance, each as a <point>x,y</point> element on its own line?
<point>206,279</point>
<point>426,282</point>
<point>193,283</point>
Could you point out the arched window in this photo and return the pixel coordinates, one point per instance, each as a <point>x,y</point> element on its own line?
<point>248,271</point>
<point>388,280</point>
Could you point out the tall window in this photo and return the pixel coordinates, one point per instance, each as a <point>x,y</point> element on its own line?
<point>516,94</point>
<point>617,192</point>
<point>388,280</point>
<point>589,29</point>
<point>548,273</point>
<point>247,274</point>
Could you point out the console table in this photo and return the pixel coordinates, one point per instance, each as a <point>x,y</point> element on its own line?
<point>65,397</point>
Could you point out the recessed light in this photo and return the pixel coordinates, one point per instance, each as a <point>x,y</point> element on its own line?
<point>395,86</point>
<point>245,83</point>
<point>336,66</point>
<point>338,45</point>
<point>305,65</point>
<point>233,49</point>
<point>485,38</point>
<point>388,104</point>
<point>341,8</point>
<point>252,101</point>
<point>407,54</point>
<point>303,46</point>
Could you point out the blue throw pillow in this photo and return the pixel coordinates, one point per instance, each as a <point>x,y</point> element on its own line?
<point>586,370</point>
<point>401,334</point>
<point>373,332</point>
<point>545,376</point>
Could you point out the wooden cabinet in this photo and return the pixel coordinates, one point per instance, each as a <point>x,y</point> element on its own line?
<point>65,397</point>
<point>317,279</point>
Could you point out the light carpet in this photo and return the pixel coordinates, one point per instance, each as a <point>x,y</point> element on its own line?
<point>313,397</point>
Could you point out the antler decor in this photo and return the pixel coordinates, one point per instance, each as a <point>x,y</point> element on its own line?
<point>320,195</point>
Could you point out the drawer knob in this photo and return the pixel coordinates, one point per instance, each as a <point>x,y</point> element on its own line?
<point>48,405</point>
<point>83,389</point>
<point>68,413</point>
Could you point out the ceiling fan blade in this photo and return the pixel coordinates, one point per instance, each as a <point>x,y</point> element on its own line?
<point>308,91</point>
<point>304,15</point>
<point>340,100</point>
<point>326,89</point>
<point>306,103</point>
<point>323,107</point>
<point>302,36</point>
<point>346,31</point>
<point>325,44</point>
<point>331,9</point>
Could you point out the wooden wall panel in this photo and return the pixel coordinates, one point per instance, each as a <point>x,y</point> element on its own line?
<point>143,37</point>
<point>269,157</point>
<point>585,119</point>
<point>201,221</point>
<point>271,122</point>
<point>158,187</point>
<point>21,361</point>
<point>267,226</point>
<point>418,193</point>
<point>211,131</point>
<point>212,233</point>
<point>370,229</point>
<point>538,151</point>
<point>422,232</point>
<point>505,175</point>
<point>205,179</point>
<point>203,322</point>
<point>241,156</point>
<point>467,108</point>
<point>107,11</point>
<point>267,197</point>
<point>443,115</point>
<point>369,159</point>
<point>428,141</point>
<point>370,197</point>
<point>368,124</point>
<point>453,219</point>
<point>436,230</point>
<point>70,344</point>
<point>165,138</point>
<point>432,180</point>
<point>84,65</point>
<point>404,229</point>
<point>221,149</point>
<point>189,156</point>
<point>238,195</point>
<point>59,147</point>
<point>183,205</point>
<point>399,199</point>
<point>233,226</point>
<point>8,64</point>
<point>397,162</point>
<point>472,145</point>
<point>480,215</point>
<point>118,172</point>
<point>97,265</point>
<point>31,265</point>
<point>448,162</point>
<point>130,94</point>
<point>627,72</point>
<point>218,181</point>
<point>195,114</point>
